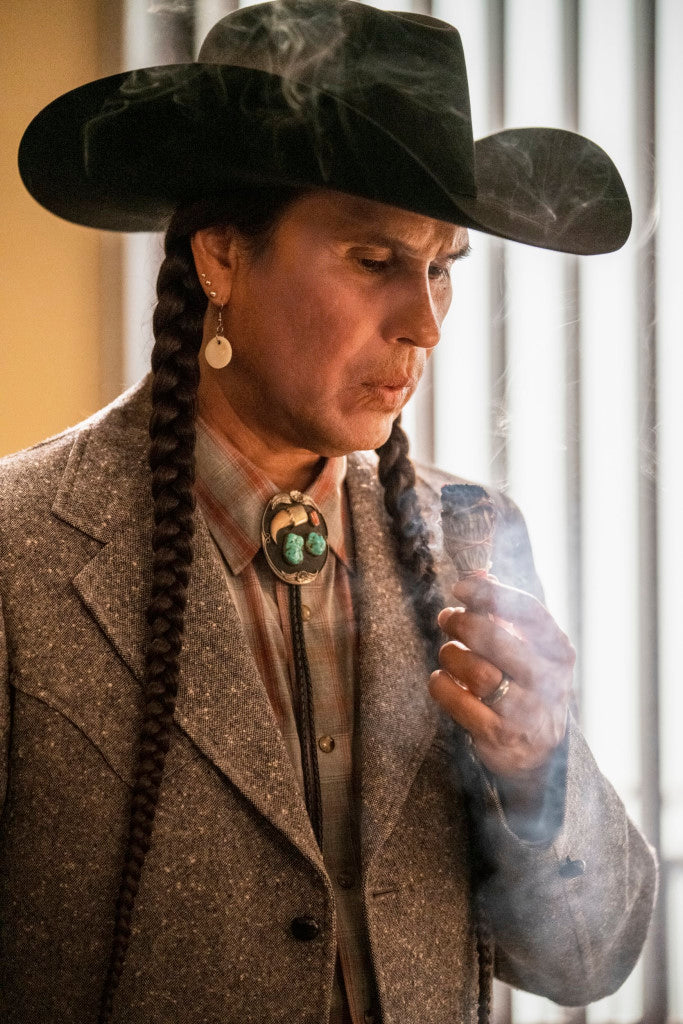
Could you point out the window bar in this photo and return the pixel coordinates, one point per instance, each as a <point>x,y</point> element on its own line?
<point>424,444</point>
<point>573,376</point>
<point>502,994</point>
<point>654,957</point>
<point>496,66</point>
<point>151,37</point>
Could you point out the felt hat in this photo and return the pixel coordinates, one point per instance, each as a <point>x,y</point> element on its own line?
<point>322,93</point>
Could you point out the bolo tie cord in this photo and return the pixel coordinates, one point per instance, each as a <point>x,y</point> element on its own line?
<point>305,718</point>
<point>294,541</point>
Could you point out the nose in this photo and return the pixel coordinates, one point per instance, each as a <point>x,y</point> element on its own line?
<point>416,317</point>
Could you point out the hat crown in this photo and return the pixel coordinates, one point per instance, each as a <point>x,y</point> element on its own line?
<point>340,45</point>
<point>396,69</point>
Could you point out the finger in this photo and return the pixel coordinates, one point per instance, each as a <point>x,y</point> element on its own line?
<point>530,617</point>
<point>507,746</point>
<point>518,706</point>
<point>479,676</point>
<point>496,645</point>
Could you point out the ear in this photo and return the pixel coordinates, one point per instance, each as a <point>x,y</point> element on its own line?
<point>215,254</point>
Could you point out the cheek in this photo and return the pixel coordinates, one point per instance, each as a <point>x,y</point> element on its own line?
<point>321,311</point>
<point>324,334</point>
<point>311,331</point>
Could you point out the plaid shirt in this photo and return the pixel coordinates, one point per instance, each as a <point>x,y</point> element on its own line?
<point>232,494</point>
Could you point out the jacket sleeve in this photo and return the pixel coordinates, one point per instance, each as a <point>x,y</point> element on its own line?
<point>569,912</point>
<point>568,917</point>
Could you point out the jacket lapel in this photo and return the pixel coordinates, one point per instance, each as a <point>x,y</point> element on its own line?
<point>222,704</point>
<point>397,716</point>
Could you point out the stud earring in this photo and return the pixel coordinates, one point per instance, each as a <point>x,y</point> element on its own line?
<point>218,352</point>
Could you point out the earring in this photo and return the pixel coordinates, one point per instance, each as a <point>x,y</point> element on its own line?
<point>218,352</point>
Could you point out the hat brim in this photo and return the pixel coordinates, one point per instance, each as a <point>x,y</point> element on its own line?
<point>111,157</point>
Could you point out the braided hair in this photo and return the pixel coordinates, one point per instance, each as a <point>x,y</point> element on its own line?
<point>397,476</point>
<point>177,324</point>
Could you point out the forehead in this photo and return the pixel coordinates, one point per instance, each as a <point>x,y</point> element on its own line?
<point>348,218</point>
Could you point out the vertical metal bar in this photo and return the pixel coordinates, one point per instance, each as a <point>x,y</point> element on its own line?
<point>573,367</point>
<point>110,20</point>
<point>502,994</point>
<point>570,33</point>
<point>499,419</point>
<point>655,956</point>
<point>153,34</point>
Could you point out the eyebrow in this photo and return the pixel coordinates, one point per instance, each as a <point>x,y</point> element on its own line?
<point>387,242</point>
<point>460,254</point>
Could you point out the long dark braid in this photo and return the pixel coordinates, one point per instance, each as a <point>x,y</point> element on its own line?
<point>397,476</point>
<point>178,332</point>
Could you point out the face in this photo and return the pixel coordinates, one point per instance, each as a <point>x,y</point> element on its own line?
<point>332,325</point>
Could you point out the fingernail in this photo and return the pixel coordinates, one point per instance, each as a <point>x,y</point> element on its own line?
<point>444,615</point>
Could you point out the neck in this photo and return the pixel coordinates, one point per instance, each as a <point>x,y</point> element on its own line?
<point>290,468</point>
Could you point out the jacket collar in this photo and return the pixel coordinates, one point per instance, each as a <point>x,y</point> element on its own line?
<point>222,705</point>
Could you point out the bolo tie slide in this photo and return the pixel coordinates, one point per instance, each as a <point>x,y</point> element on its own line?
<point>294,541</point>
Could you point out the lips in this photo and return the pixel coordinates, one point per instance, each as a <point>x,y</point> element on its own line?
<point>389,394</point>
<point>393,383</point>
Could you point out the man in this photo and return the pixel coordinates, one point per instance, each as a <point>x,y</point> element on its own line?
<point>305,834</point>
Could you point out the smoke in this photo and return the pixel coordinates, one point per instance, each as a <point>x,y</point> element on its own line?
<point>171,7</point>
<point>333,48</point>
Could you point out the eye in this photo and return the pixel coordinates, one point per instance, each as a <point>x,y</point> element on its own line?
<point>374,266</point>
<point>438,273</point>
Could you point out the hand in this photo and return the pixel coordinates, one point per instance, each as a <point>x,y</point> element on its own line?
<point>516,736</point>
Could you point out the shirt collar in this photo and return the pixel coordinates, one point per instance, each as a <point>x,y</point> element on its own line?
<point>232,493</point>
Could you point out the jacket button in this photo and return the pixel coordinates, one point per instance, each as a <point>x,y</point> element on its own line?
<point>304,928</point>
<point>572,868</point>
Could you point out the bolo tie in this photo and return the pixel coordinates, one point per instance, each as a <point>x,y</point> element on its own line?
<point>294,541</point>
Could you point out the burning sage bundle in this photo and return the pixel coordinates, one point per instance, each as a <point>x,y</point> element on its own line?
<point>468,519</point>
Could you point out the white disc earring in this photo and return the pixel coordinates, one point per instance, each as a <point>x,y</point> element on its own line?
<point>218,351</point>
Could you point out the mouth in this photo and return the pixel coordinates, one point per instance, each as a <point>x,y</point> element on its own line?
<point>391,392</point>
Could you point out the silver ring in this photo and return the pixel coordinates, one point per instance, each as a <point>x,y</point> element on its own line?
<point>499,692</point>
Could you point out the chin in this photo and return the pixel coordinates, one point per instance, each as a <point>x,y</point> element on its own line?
<point>341,435</point>
<point>368,439</point>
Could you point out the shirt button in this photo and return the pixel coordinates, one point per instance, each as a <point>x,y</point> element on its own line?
<point>326,744</point>
<point>305,612</point>
<point>345,880</point>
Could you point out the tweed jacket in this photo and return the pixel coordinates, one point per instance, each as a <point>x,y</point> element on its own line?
<point>234,859</point>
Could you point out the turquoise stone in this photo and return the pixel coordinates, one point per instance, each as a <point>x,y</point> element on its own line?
<point>315,544</point>
<point>293,549</point>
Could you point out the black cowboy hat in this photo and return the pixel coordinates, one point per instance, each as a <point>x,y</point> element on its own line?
<point>329,93</point>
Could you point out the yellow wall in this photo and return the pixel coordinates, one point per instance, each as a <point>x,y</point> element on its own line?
<point>50,270</point>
